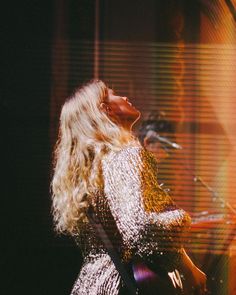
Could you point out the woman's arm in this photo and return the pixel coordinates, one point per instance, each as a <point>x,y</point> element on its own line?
<point>148,220</point>
<point>146,216</point>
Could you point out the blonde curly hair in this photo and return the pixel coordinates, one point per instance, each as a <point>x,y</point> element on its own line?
<point>86,133</point>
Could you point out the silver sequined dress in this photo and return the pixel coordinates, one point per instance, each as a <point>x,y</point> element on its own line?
<point>140,218</point>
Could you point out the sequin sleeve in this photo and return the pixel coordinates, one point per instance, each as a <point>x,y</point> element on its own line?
<point>147,218</point>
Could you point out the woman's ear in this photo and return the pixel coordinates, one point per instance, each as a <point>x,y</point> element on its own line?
<point>104,107</point>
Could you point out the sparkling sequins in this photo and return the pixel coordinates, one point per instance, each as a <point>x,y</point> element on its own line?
<point>140,218</point>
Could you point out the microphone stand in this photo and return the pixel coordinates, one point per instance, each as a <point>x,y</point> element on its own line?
<point>213,265</point>
<point>218,261</point>
<point>215,196</point>
<point>167,145</point>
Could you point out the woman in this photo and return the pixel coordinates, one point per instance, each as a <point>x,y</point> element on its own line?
<point>99,164</point>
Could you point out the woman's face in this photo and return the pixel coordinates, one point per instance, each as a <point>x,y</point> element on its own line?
<point>121,110</point>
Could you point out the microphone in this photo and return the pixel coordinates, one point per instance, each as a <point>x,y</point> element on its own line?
<point>152,136</point>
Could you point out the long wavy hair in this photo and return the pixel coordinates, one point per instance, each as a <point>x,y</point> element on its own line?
<point>86,133</point>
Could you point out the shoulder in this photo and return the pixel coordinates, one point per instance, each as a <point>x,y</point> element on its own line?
<point>133,153</point>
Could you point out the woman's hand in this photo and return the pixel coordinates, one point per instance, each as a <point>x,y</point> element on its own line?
<point>194,280</point>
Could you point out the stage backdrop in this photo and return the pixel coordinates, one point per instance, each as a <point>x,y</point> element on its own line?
<point>176,58</point>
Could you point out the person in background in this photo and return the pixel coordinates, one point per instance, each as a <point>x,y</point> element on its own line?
<point>99,164</point>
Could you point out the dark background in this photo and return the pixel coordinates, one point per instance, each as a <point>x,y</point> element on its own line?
<point>33,259</point>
